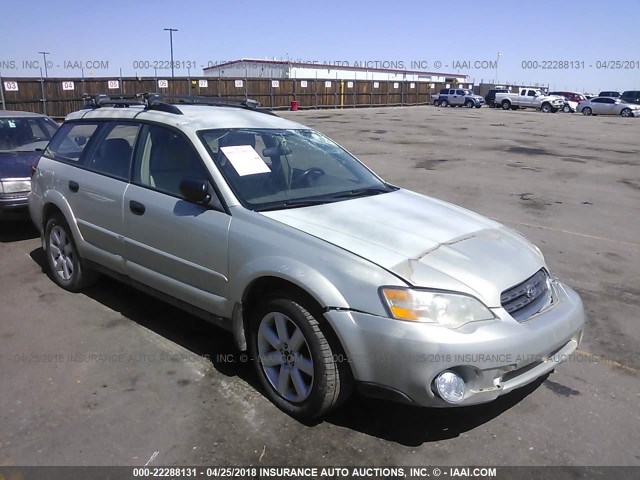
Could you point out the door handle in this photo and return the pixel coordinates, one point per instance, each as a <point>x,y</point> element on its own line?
<point>73,186</point>
<point>136,207</point>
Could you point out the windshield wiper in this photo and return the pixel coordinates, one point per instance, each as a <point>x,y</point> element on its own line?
<point>302,202</point>
<point>364,192</point>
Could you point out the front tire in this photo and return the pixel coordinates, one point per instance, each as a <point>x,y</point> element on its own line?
<point>444,103</point>
<point>566,109</point>
<point>626,112</point>
<point>586,111</point>
<point>298,364</point>
<point>65,265</point>
<point>469,104</point>
<point>546,107</point>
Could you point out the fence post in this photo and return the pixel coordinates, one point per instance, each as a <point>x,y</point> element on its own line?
<point>43,99</point>
<point>315,92</point>
<point>4,107</point>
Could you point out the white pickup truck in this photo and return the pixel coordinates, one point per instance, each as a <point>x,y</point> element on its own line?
<point>530,98</point>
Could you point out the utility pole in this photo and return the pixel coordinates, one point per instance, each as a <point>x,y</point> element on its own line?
<point>171,30</point>
<point>44,55</point>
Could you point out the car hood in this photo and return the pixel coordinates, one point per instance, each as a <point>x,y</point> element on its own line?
<point>17,164</point>
<point>426,242</point>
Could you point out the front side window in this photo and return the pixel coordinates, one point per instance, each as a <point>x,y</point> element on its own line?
<point>25,134</point>
<point>70,141</point>
<point>274,169</point>
<point>164,159</point>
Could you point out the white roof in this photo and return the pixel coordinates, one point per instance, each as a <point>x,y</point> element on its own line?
<point>194,117</point>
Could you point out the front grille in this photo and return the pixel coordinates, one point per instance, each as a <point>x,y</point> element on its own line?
<point>528,297</point>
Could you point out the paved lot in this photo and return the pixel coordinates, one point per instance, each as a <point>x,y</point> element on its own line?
<point>112,376</point>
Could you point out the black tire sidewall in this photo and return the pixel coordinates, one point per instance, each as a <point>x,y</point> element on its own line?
<point>312,406</point>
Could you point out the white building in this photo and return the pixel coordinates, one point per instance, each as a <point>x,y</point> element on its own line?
<point>274,69</point>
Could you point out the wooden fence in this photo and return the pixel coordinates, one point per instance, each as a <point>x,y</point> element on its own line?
<point>59,96</point>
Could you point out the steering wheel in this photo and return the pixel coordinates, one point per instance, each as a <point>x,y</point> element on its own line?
<point>313,172</point>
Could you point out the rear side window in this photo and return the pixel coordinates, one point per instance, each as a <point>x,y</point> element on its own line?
<point>70,141</point>
<point>113,151</point>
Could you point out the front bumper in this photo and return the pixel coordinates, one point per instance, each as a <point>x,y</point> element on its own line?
<point>493,357</point>
<point>14,205</point>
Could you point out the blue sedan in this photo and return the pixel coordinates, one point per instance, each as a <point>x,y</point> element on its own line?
<point>23,138</point>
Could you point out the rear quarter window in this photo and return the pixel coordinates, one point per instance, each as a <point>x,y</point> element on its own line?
<point>70,141</point>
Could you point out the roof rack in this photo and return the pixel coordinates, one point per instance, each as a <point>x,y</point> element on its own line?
<point>167,102</point>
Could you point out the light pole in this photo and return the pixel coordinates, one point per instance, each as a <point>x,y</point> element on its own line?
<point>44,55</point>
<point>171,30</point>
<point>497,60</point>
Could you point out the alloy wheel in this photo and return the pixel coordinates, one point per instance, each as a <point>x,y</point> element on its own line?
<point>285,357</point>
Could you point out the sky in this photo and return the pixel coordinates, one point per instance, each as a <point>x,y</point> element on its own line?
<point>583,46</point>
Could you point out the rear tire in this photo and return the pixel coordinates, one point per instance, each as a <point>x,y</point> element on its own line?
<point>566,109</point>
<point>444,103</point>
<point>436,103</point>
<point>506,105</point>
<point>65,265</point>
<point>586,111</point>
<point>300,365</point>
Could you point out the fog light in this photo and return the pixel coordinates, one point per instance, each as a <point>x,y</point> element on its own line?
<point>450,386</point>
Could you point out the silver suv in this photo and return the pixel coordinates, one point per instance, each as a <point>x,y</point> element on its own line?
<point>329,276</point>
<point>458,97</point>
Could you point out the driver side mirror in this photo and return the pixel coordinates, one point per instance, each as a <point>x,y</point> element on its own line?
<point>195,190</point>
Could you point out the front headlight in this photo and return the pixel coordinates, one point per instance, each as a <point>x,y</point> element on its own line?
<point>449,309</point>
<point>15,186</point>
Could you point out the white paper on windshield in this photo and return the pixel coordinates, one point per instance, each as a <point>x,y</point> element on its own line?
<point>245,160</point>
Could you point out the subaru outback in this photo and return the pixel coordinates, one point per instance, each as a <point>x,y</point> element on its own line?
<point>331,277</point>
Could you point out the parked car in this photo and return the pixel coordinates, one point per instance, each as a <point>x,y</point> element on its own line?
<point>609,106</point>
<point>490,97</point>
<point>631,96</point>
<point>458,97</point>
<point>331,277</point>
<point>23,138</point>
<point>529,98</point>
<point>610,93</point>
<point>572,99</point>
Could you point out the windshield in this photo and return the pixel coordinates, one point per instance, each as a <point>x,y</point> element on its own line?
<point>468,92</point>
<point>271,169</point>
<point>25,134</point>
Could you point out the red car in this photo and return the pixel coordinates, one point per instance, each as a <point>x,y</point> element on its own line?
<point>572,100</point>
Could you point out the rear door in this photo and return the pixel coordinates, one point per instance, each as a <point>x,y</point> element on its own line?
<point>93,177</point>
<point>171,244</point>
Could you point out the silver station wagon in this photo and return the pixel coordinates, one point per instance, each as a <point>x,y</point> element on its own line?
<point>330,277</point>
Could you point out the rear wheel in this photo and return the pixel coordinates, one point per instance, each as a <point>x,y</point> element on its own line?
<point>478,106</point>
<point>66,267</point>
<point>436,103</point>
<point>586,111</point>
<point>444,103</point>
<point>298,363</point>
<point>506,105</point>
<point>626,112</point>
<point>566,109</point>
